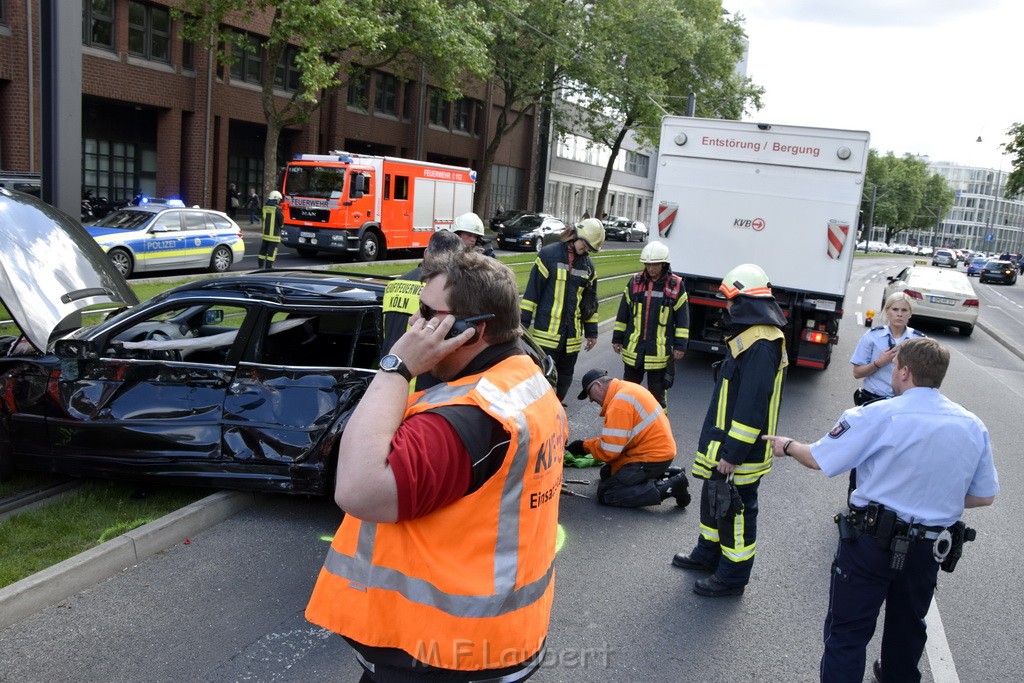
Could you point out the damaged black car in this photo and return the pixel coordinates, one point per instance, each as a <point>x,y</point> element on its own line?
<point>241,382</point>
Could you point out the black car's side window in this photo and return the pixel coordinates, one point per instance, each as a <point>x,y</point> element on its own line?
<point>321,339</point>
<point>195,334</point>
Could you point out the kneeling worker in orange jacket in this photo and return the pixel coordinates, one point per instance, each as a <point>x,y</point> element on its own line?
<point>636,444</point>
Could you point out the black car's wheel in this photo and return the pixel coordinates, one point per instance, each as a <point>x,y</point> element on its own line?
<point>122,260</point>
<point>540,244</point>
<point>306,252</point>
<point>369,247</point>
<point>220,261</point>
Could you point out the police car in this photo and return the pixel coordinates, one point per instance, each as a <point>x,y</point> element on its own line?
<point>167,235</point>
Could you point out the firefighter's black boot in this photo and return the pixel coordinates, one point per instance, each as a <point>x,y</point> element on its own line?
<point>675,486</point>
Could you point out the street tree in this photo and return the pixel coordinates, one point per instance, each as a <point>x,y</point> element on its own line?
<point>644,58</point>
<point>331,43</point>
<point>907,197</point>
<point>1015,148</point>
<point>535,48</point>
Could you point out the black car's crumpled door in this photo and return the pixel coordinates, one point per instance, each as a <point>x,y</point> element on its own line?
<point>288,417</point>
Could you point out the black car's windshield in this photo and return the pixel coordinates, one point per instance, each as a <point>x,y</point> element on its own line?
<point>126,219</point>
<point>320,182</point>
<point>526,222</point>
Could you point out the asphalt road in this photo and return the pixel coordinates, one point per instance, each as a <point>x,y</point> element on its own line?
<point>228,606</point>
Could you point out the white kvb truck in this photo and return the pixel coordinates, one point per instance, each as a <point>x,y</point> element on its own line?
<point>786,198</point>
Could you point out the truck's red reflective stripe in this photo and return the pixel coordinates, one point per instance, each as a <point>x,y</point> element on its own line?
<point>810,363</point>
<point>717,303</point>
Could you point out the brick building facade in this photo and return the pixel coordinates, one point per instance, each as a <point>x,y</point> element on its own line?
<point>161,117</point>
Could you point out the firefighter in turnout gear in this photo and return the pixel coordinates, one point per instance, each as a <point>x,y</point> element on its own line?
<point>561,298</point>
<point>744,407</point>
<point>653,323</point>
<point>273,220</point>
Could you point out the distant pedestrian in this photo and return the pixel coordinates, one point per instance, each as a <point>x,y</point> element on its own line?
<point>233,201</point>
<point>253,204</point>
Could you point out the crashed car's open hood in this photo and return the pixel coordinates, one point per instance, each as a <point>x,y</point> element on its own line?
<point>51,268</point>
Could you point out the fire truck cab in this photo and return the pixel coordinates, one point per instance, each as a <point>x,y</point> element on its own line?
<point>341,202</point>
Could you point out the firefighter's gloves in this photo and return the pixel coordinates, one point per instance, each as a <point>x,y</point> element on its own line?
<point>576,448</point>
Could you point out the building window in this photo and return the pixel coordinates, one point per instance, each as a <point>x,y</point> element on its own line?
<point>463,109</point>
<point>188,55</point>
<point>478,118</point>
<point>118,170</point>
<point>439,109</point>
<point>637,164</point>
<point>98,23</point>
<point>248,60</point>
<point>359,91</point>
<point>288,76</point>
<point>3,12</point>
<point>385,98</point>
<point>149,32</point>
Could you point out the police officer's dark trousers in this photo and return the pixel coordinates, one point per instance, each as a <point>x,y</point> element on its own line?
<point>632,486</point>
<point>861,582</point>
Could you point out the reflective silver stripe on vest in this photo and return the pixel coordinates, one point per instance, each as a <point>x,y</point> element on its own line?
<point>361,572</point>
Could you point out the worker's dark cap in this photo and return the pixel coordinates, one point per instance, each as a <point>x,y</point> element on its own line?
<point>588,379</point>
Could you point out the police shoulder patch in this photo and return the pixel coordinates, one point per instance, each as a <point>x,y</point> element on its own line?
<point>841,427</point>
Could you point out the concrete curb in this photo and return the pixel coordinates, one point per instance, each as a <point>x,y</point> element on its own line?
<point>50,586</point>
<point>1015,349</point>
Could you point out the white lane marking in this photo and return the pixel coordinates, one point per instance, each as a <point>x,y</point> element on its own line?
<point>940,659</point>
<point>860,318</point>
<point>859,300</point>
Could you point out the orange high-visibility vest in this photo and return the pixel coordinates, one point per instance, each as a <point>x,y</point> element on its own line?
<point>635,429</point>
<point>468,586</point>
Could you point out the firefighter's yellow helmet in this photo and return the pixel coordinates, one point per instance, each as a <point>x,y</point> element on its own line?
<point>746,279</point>
<point>591,231</point>
<point>655,252</point>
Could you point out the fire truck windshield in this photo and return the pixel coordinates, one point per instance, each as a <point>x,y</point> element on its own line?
<point>321,182</point>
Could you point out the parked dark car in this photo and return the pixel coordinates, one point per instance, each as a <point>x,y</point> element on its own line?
<point>530,232</point>
<point>240,382</point>
<point>998,271</point>
<point>626,230</point>
<point>500,219</point>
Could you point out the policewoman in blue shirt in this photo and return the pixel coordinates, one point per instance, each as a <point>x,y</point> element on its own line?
<point>877,348</point>
<point>921,459</point>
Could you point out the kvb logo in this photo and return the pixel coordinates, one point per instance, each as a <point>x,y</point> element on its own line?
<point>755,224</point>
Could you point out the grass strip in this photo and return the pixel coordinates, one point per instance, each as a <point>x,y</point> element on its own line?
<point>95,513</point>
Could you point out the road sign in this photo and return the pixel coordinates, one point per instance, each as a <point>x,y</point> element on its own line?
<point>990,238</point>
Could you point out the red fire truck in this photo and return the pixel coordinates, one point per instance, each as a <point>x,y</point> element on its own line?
<point>341,202</point>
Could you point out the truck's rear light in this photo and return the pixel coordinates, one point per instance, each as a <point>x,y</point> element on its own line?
<point>912,294</point>
<point>973,303</point>
<point>814,337</point>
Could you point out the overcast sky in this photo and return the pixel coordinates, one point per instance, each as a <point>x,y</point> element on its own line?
<point>924,77</point>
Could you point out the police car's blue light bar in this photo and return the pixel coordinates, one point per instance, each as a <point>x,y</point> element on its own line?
<point>175,202</point>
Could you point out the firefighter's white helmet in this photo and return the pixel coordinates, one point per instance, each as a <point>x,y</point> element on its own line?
<point>591,231</point>
<point>655,252</point>
<point>274,194</point>
<point>468,222</point>
<point>746,279</point>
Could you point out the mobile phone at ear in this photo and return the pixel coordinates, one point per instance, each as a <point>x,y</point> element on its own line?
<point>460,326</point>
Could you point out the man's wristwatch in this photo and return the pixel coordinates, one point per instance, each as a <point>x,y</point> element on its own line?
<point>392,363</point>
